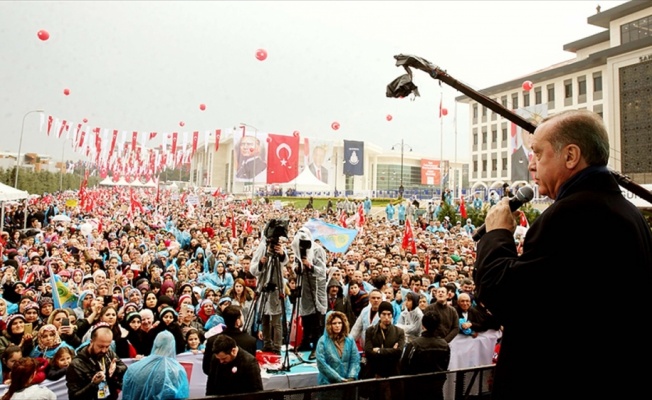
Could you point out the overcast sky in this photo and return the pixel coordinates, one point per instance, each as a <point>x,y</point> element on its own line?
<point>147,65</point>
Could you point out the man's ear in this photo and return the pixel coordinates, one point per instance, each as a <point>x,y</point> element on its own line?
<point>572,155</point>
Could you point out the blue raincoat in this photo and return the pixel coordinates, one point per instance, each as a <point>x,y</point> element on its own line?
<point>158,376</point>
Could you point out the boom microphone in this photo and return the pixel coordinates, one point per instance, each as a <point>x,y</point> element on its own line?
<point>523,195</point>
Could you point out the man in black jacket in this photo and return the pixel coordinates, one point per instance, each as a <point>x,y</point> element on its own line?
<point>235,371</point>
<point>337,301</point>
<point>234,322</point>
<point>588,231</point>
<point>96,372</point>
<point>427,353</point>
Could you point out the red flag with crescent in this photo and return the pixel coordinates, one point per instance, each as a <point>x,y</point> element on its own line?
<point>282,158</point>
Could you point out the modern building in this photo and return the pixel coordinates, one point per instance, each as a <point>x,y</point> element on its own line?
<point>383,171</point>
<point>611,74</point>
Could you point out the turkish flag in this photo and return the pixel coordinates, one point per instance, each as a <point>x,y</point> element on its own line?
<point>343,219</point>
<point>195,140</point>
<point>282,158</point>
<point>462,208</point>
<point>408,238</point>
<point>218,133</point>
<point>134,138</point>
<point>175,137</point>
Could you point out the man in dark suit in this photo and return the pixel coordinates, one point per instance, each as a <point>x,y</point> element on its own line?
<point>572,152</point>
<point>316,166</point>
<point>234,322</point>
<point>250,161</point>
<point>521,159</point>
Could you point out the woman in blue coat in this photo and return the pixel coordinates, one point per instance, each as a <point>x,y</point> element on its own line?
<point>338,359</point>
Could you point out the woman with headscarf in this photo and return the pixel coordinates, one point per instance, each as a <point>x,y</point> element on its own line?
<point>15,335</point>
<point>223,279</point>
<point>338,359</point>
<point>158,376</point>
<point>48,342</point>
<point>67,333</point>
<point>169,321</point>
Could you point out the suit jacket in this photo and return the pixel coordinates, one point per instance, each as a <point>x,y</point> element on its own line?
<point>590,231</point>
<point>520,163</point>
<point>250,167</point>
<point>324,172</point>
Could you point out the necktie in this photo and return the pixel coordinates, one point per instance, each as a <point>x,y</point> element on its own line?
<point>318,169</point>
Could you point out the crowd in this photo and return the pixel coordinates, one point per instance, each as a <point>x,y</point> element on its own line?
<point>126,272</point>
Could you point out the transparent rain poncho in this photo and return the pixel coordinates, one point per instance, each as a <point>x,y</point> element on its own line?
<point>158,376</point>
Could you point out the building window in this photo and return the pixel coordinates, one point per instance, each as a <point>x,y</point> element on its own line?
<point>538,96</point>
<point>494,164</point>
<point>484,111</point>
<point>597,82</point>
<point>475,166</point>
<point>635,30</point>
<point>484,165</point>
<point>484,137</point>
<point>503,101</point>
<point>526,99</point>
<point>504,138</point>
<point>514,101</point>
<point>551,93</point>
<point>475,111</point>
<point>494,136</point>
<point>475,138</point>
<point>504,163</point>
<point>581,89</point>
<point>568,89</point>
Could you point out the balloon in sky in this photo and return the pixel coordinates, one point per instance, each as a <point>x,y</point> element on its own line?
<point>43,35</point>
<point>85,120</point>
<point>202,107</point>
<point>182,123</point>
<point>295,133</point>
<point>444,111</point>
<point>261,54</point>
<point>389,117</point>
<point>527,86</point>
<point>335,125</point>
<point>66,91</point>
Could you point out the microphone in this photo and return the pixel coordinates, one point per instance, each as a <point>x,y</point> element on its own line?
<point>523,195</point>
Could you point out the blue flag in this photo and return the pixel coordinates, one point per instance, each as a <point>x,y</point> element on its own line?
<point>62,296</point>
<point>353,158</point>
<point>333,237</point>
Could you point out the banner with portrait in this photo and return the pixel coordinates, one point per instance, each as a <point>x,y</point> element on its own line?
<point>318,159</point>
<point>520,141</point>
<point>250,158</point>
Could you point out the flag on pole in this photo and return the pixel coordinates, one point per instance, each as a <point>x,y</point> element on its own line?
<point>62,297</point>
<point>462,208</point>
<point>343,219</point>
<point>233,227</point>
<point>408,238</point>
<point>333,237</point>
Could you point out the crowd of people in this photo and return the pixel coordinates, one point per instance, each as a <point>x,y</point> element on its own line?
<point>169,277</point>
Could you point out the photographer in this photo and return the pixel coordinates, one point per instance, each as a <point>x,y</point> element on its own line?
<point>270,283</point>
<point>312,300</point>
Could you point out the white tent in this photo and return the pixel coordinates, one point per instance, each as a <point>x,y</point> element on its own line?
<point>306,182</point>
<point>8,193</point>
<point>107,182</point>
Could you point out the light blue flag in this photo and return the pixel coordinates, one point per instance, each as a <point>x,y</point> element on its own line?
<point>333,237</point>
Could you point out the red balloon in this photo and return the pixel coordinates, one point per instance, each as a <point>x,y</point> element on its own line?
<point>43,35</point>
<point>202,107</point>
<point>444,111</point>
<point>85,120</point>
<point>269,140</point>
<point>527,86</point>
<point>66,91</point>
<point>389,117</point>
<point>182,123</point>
<point>295,133</point>
<point>335,126</point>
<point>261,54</point>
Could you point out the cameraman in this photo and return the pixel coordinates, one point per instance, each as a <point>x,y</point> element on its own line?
<point>312,300</point>
<point>270,282</point>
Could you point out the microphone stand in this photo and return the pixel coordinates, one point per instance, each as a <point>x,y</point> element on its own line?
<point>403,86</point>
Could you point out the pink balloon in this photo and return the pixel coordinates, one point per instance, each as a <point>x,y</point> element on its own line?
<point>444,111</point>
<point>182,123</point>
<point>527,86</point>
<point>202,107</point>
<point>43,35</point>
<point>66,91</point>
<point>85,120</point>
<point>261,54</point>
<point>296,133</point>
<point>389,117</point>
<point>335,125</point>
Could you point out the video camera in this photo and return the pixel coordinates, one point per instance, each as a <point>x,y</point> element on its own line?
<point>304,245</point>
<point>275,229</point>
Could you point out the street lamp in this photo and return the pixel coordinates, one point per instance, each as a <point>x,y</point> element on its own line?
<point>403,146</point>
<point>20,144</point>
<point>253,178</point>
